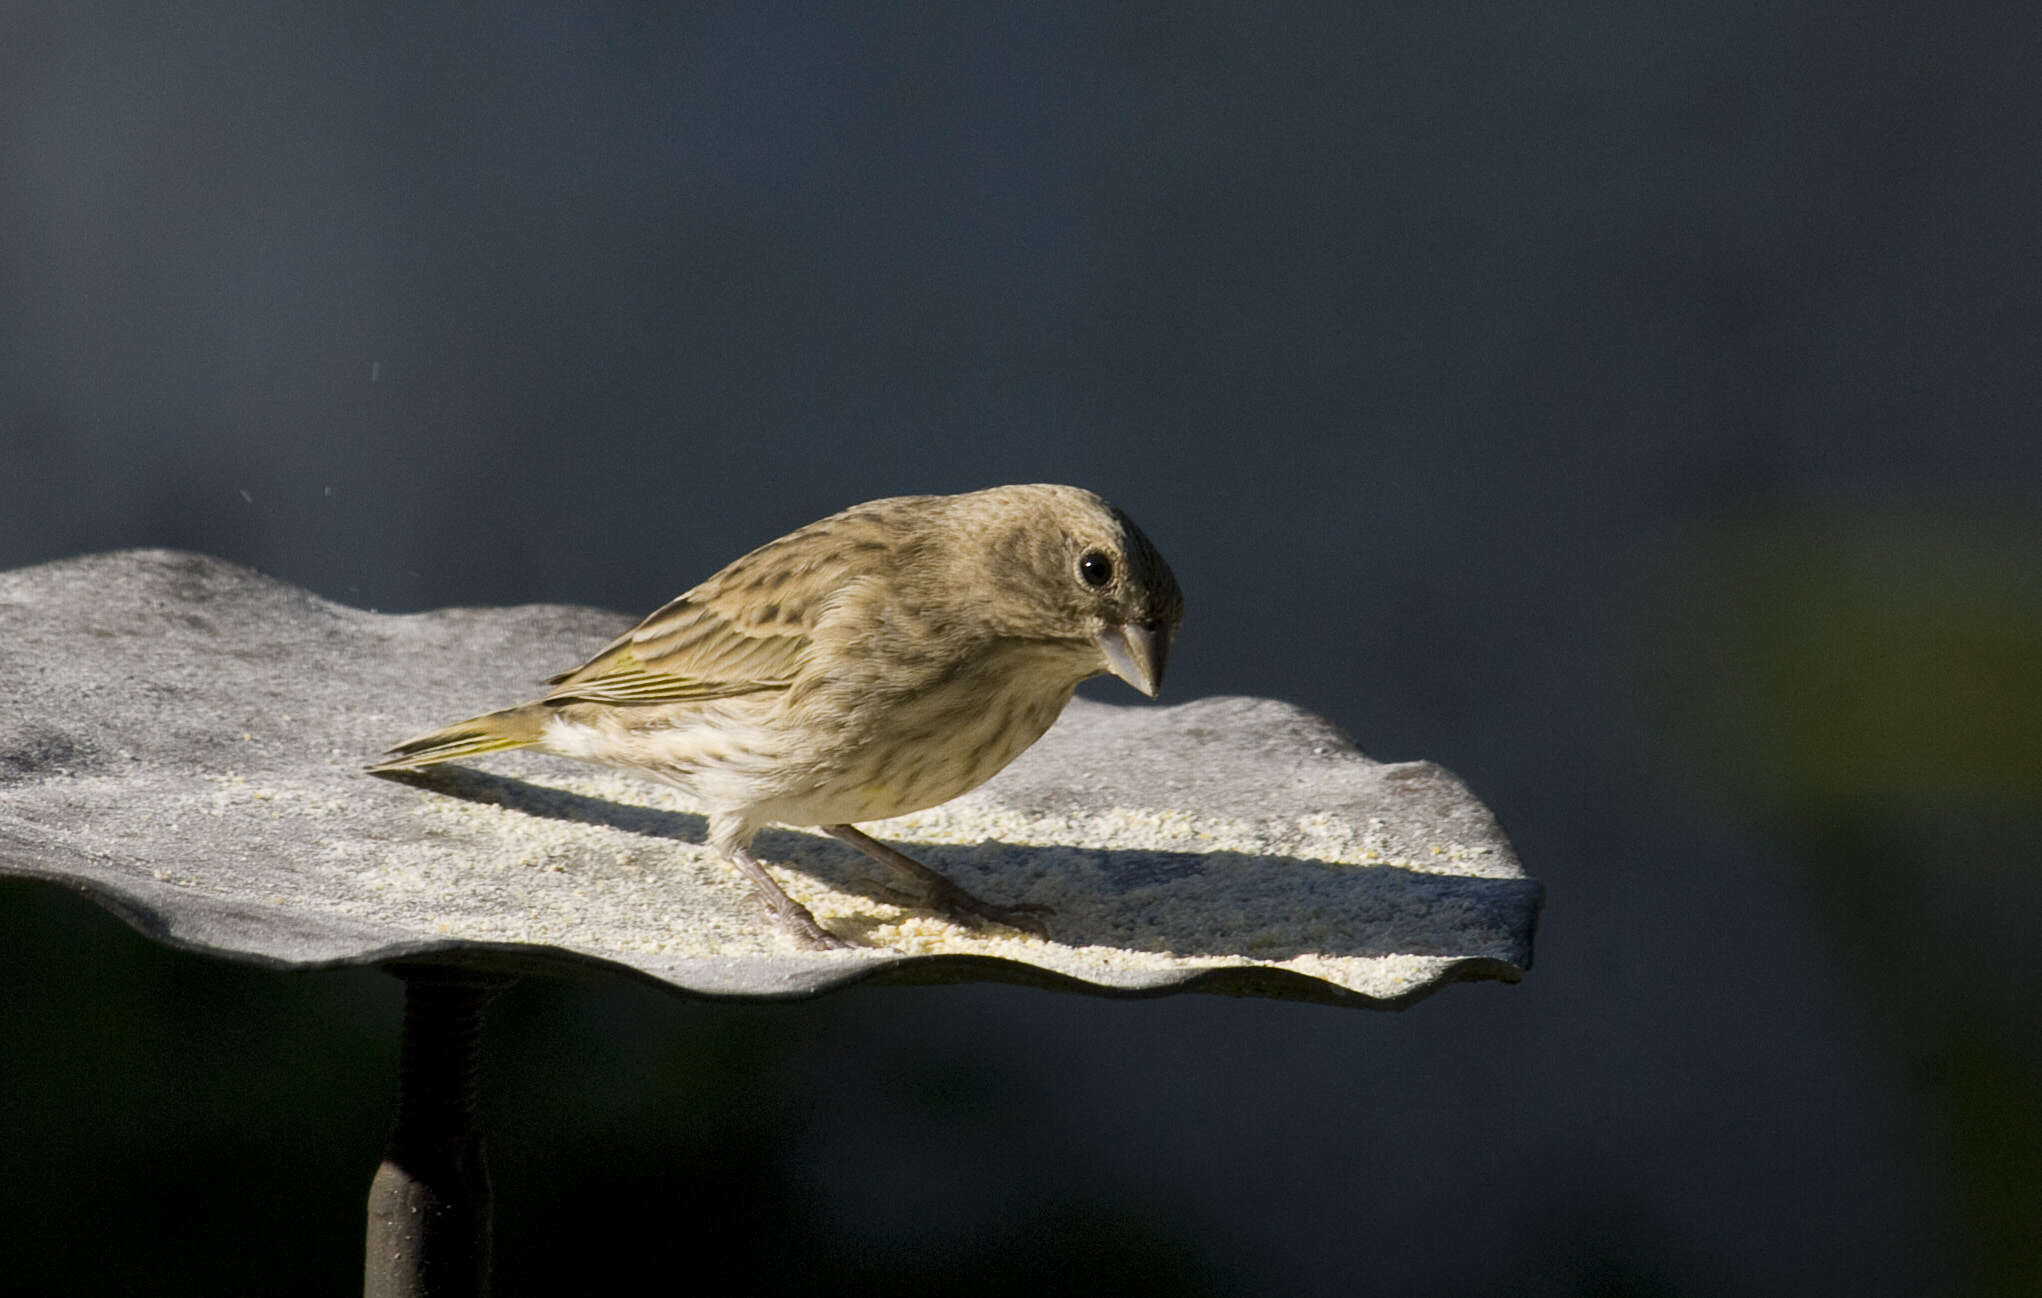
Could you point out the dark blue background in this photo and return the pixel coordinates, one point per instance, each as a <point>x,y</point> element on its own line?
<point>1632,407</point>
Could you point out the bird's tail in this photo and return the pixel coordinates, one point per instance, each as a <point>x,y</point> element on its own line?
<point>511,728</point>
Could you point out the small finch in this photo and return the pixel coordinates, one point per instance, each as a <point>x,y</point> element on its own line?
<point>882,660</point>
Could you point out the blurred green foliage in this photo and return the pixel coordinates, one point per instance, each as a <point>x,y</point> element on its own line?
<point>1867,686</point>
<point>1837,660</point>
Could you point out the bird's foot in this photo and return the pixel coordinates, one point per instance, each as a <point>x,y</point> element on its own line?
<point>965,908</point>
<point>928,889</point>
<point>798,922</point>
<point>792,917</point>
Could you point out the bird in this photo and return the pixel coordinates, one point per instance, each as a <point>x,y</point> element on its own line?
<point>879,661</point>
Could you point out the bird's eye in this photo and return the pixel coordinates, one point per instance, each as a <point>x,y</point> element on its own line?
<point>1095,568</point>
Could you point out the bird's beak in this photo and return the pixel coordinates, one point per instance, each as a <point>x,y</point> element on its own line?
<point>1135,652</point>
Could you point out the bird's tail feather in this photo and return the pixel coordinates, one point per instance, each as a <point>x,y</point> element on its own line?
<point>511,728</point>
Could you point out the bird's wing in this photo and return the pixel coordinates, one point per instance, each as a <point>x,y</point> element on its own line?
<point>688,651</point>
<point>745,630</point>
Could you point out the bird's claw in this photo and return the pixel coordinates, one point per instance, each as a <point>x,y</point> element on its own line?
<point>800,924</point>
<point>931,890</point>
<point>967,909</point>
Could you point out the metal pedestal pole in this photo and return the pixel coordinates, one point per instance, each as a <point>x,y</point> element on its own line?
<point>429,1205</point>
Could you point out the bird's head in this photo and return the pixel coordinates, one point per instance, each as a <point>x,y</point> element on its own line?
<point>1062,567</point>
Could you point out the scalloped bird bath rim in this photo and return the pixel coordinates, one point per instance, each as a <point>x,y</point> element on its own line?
<point>185,746</point>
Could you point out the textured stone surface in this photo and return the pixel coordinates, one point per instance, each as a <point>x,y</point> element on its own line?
<point>183,741</point>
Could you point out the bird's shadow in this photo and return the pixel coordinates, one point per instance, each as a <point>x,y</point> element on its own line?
<point>1227,904</point>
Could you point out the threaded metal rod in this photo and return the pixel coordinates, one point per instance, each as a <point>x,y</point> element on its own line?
<point>429,1205</point>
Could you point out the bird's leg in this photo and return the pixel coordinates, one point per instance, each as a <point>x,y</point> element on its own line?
<point>787,912</point>
<point>940,893</point>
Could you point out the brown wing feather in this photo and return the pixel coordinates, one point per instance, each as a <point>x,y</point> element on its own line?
<point>746,629</point>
